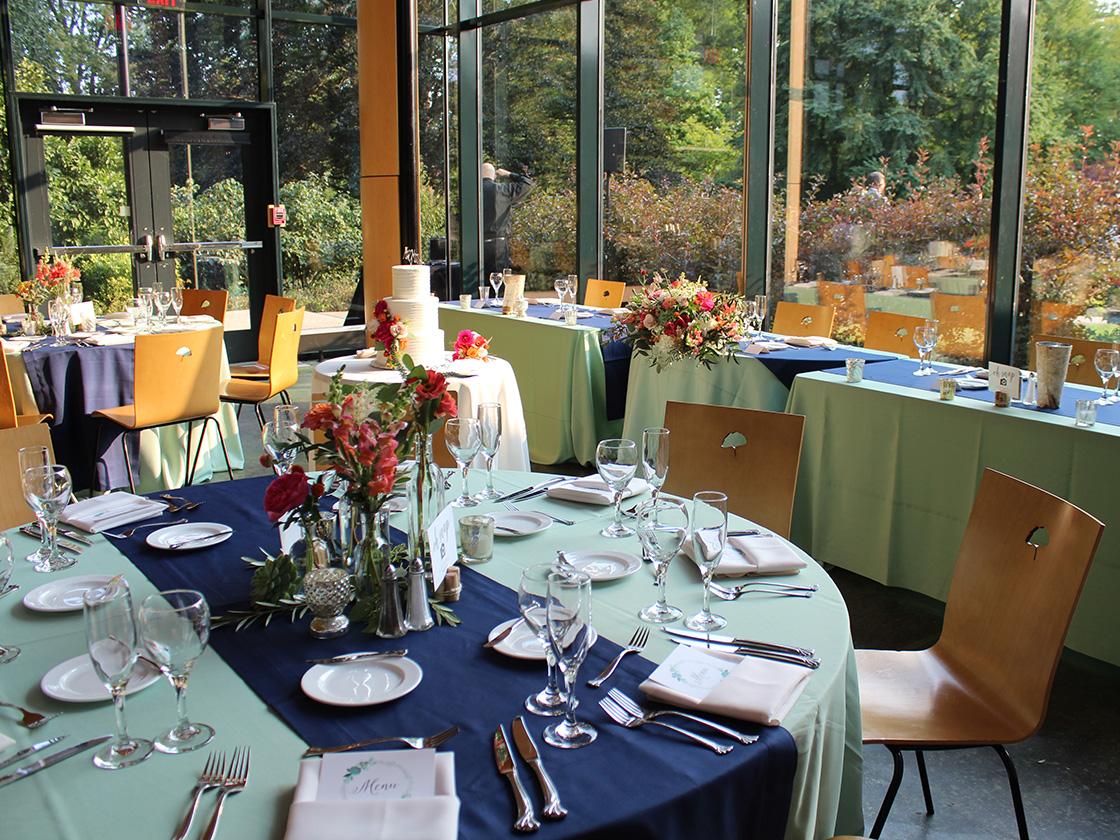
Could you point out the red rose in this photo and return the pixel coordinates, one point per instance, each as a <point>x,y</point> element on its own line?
<point>286,493</point>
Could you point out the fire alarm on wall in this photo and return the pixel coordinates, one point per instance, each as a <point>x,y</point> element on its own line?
<point>277,215</point>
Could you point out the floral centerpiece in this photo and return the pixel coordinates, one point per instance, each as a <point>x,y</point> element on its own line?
<point>52,279</point>
<point>670,320</point>
<point>388,332</point>
<point>471,345</point>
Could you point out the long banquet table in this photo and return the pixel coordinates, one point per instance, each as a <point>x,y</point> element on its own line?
<point>633,783</point>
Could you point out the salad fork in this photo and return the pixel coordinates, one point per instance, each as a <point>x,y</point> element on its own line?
<point>629,705</point>
<point>234,781</point>
<point>416,743</point>
<point>557,519</point>
<point>123,534</point>
<point>212,775</point>
<point>622,717</point>
<point>32,720</point>
<point>637,644</point>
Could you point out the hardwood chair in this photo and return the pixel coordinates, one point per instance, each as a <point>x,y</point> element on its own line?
<point>986,682</point>
<point>803,319</point>
<point>13,508</point>
<point>210,302</point>
<point>273,306</point>
<point>881,270</point>
<point>892,333</point>
<point>702,462</point>
<point>910,276</point>
<point>962,324</point>
<point>1081,368</point>
<point>12,305</point>
<point>9,417</point>
<point>607,293</point>
<point>282,369</point>
<point>848,302</point>
<point>176,381</point>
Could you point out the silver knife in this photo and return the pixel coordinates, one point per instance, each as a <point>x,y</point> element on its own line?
<point>64,532</point>
<point>729,640</point>
<point>34,748</point>
<point>53,758</point>
<point>791,658</point>
<point>552,807</point>
<point>66,545</point>
<point>502,758</point>
<point>537,488</point>
<point>357,657</point>
<point>198,538</point>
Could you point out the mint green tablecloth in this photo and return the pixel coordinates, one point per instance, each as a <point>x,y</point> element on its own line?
<point>74,800</point>
<point>560,374</point>
<point>888,476</point>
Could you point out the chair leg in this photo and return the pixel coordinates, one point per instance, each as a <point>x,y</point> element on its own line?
<point>192,465</point>
<point>260,414</point>
<point>892,791</point>
<point>921,756</point>
<point>221,440</point>
<point>1016,795</point>
<point>128,463</point>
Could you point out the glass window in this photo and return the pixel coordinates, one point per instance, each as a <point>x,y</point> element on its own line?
<point>61,46</point>
<point>340,8</point>
<point>436,155</point>
<point>9,255</point>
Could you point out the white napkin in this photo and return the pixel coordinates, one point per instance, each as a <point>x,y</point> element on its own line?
<point>759,690</point>
<point>102,339</point>
<point>100,513</point>
<point>558,315</point>
<point>6,742</point>
<point>760,555</point>
<point>423,818</point>
<point>971,383</point>
<point>592,490</point>
<point>757,348</point>
<point>810,341</point>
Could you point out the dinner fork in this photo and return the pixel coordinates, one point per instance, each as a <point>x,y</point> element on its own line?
<point>765,588</point>
<point>212,776</point>
<point>637,643</point>
<point>622,717</point>
<point>123,534</point>
<point>186,503</point>
<point>416,743</point>
<point>557,519</point>
<point>233,782</point>
<point>32,720</point>
<point>629,705</point>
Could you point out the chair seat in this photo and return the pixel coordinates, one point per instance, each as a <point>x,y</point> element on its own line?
<point>252,370</point>
<point>248,390</point>
<point>32,419</point>
<point>122,415</point>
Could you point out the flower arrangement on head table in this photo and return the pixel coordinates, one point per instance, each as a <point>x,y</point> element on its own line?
<point>471,345</point>
<point>388,332</point>
<point>670,320</point>
<point>52,279</point>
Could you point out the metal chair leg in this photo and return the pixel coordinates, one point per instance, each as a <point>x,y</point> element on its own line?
<point>260,414</point>
<point>1016,795</point>
<point>193,465</point>
<point>892,791</point>
<point>127,464</point>
<point>925,781</point>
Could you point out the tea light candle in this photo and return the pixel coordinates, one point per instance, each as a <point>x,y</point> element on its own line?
<point>948,388</point>
<point>476,538</point>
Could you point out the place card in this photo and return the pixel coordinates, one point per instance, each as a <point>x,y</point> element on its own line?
<point>1004,379</point>
<point>385,774</point>
<point>691,671</point>
<point>441,538</point>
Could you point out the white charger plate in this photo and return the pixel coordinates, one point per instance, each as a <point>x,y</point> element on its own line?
<point>74,681</point>
<point>361,683</point>
<point>524,522</point>
<point>63,595</point>
<point>200,534</point>
<point>522,642</point>
<point>604,564</point>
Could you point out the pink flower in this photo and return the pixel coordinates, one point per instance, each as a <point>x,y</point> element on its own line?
<point>286,493</point>
<point>706,300</point>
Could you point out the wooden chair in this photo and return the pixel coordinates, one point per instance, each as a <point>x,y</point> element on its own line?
<point>881,270</point>
<point>13,508</point>
<point>962,324</point>
<point>12,305</point>
<point>607,293</point>
<point>1057,318</point>
<point>282,369</point>
<point>1081,367</point>
<point>273,306</point>
<point>892,333</point>
<point>702,462</point>
<point>9,417</point>
<point>848,302</point>
<point>176,381</point>
<point>986,682</point>
<point>210,302</point>
<point>910,276</point>
<point>803,319</point>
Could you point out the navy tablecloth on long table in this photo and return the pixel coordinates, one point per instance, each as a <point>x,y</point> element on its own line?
<point>629,783</point>
<point>787,364</point>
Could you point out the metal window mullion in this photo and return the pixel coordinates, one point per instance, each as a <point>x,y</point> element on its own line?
<point>470,149</point>
<point>589,140</point>
<point>758,154</point>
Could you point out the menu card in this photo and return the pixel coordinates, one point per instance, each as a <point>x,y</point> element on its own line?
<point>690,671</point>
<point>441,539</point>
<point>385,774</point>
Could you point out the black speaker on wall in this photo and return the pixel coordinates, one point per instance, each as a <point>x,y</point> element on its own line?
<point>614,149</point>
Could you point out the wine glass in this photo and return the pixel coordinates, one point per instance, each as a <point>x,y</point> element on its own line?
<point>1105,362</point>
<point>461,434</point>
<point>36,456</point>
<point>279,441</point>
<point>617,462</point>
<point>111,640</point>
<point>162,300</point>
<point>924,339</point>
<point>286,415</point>
<point>655,458</point>
<point>568,616</point>
<point>7,652</point>
<point>47,491</point>
<point>134,307</point>
<point>709,534</point>
<point>762,309</point>
<point>934,325</point>
<point>174,627</point>
<point>662,527</point>
<point>74,293</point>
<point>750,313</point>
<point>176,301</point>
<point>497,279</point>
<point>532,599</point>
<point>490,438</point>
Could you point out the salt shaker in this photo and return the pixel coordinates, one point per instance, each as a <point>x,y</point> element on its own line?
<point>1032,389</point>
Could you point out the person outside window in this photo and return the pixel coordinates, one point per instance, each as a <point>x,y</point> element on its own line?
<point>501,191</point>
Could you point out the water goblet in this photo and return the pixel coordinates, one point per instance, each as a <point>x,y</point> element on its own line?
<point>461,435</point>
<point>483,295</point>
<point>662,527</point>
<point>924,339</point>
<point>568,616</point>
<point>134,308</point>
<point>532,600</point>
<point>617,462</point>
<point>176,301</point>
<point>75,293</point>
<point>36,456</point>
<point>112,644</point>
<point>162,301</point>
<point>561,286</point>
<point>7,652</point>
<point>655,458</point>
<point>490,438</point>
<point>934,325</point>
<point>708,536</point>
<point>279,443</point>
<point>47,492</point>
<point>174,628</point>
<point>497,280</point>
<point>286,415</point>
<point>1105,362</point>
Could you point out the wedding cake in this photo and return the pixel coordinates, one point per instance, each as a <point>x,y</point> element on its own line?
<point>414,303</point>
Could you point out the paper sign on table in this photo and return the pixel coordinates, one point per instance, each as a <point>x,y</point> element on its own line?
<point>441,538</point>
<point>392,774</point>
<point>1004,378</point>
<point>691,671</point>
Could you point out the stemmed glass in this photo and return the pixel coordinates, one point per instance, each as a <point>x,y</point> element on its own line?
<point>36,456</point>
<point>1105,362</point>
<point>497,280</point>
<point>617,462</point>
<point>709,534</point>
<point>655,458</point>
<point>762,309</point>
<point>74,293</point>
<point>490,438</point>
<point>7,652</point>
<point>162,300</point>
<point>569,635</point>
<point>532,599</point>
<point>47,491</point>
<point>750,314</point>
<point>461,434</point>
<point>279,441</point>
<point>176,301</point>
<point>174,627</point>
<point>662,528</point>
<point>111,639</point>
<point>924,339</point>
<point>134,308</point>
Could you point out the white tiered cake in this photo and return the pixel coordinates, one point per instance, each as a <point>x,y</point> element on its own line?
<point>414,303</point>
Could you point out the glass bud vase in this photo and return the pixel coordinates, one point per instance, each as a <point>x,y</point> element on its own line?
<point>427,497</point>
<point>327,584</point>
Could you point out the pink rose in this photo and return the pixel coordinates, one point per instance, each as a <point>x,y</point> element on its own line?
<point>286,493</point>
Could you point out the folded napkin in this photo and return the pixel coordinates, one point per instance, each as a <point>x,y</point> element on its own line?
<point>592,490</point>
<point>760,555</point>
<point>757,348</point>
<point>810,341</point>
<point>558,315</point>
<point>104,339</point>
<point>6,742</point>
<point>100,513</point>
<point>423,818</point>
<point>759,690</point>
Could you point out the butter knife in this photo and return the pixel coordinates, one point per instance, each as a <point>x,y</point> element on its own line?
<point>791,658</point>
<point>502,636</point>
<point>197,539</point>
<point>357,657</point>
<point>729,640</point>
<point>45,762</point>
<point>65,545</point>
<point>504,761</point>
<point>524,741</point>
<point>34,748</point>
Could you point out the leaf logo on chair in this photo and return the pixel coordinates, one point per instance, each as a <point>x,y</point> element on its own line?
<point>733,440</point>
<point>902,332</point>
<point>1038,538</point>
<point>183,351</point>
<point>807,320</point>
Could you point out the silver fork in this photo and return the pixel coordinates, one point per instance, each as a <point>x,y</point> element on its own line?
<point>233,782</point>
<point>629,705</point>
<point>637,643</point>
<point>123,534</point>
<point>513,507</point>
<point>212,776</point>
<point>622,717</point>
<point>786,589</point>
<point>415,743</point>
<point>32,720</point>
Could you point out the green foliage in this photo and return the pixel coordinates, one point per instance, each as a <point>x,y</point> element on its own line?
<point>322,244</point>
